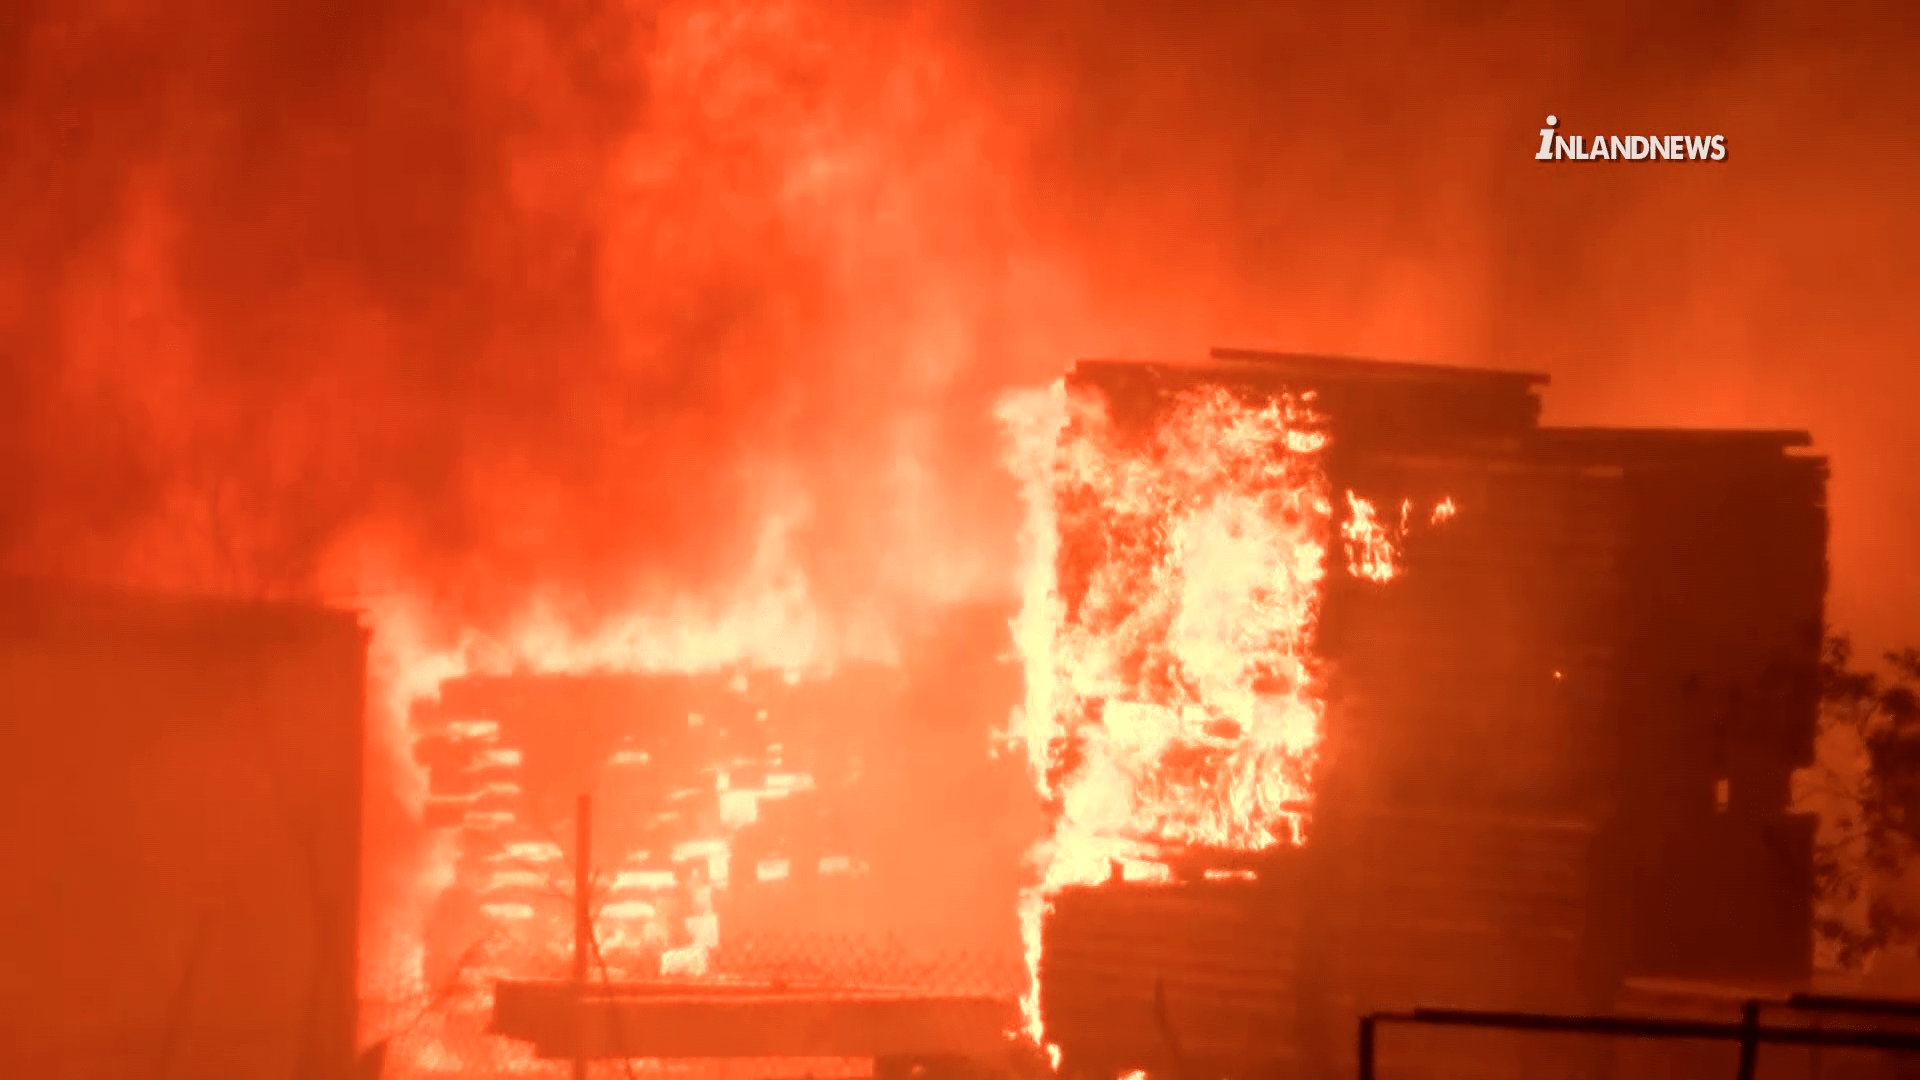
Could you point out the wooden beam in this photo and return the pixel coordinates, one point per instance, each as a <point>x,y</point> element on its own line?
<point>1309,366</point>
<point>741,1022</point>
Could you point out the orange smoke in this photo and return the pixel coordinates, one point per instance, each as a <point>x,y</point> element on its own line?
<point>569,295</point>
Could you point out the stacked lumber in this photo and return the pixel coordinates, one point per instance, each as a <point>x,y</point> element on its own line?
<point>1482,676</point>
<point>1475,912</point>
<point>1723,580</point>
<point>1183,978</point>
<point>1375,404</point>
<point>1557,744</point>
<point>1381,910</point>
<point>1723,575</point>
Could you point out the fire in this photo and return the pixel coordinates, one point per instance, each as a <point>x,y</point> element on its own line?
<point>1170,687</point>
<point>1171,596</point>
<point>1373,549</point>
<point>1369,544</point>
<point>770,624</point>
<point>1171,591</point>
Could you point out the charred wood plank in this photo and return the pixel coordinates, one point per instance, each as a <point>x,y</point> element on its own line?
<point>690,1022</point>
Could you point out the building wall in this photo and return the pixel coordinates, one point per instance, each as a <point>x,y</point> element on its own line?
<point>180,812</point>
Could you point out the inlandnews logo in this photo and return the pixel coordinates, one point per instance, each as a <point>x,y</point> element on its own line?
<point>1557,147</point>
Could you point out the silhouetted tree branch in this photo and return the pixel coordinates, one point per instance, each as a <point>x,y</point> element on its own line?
<point>1877,829</point>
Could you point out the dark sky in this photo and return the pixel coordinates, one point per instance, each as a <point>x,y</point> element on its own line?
<point>480,299</point>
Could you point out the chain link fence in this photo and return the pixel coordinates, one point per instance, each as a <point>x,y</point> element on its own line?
<point>442,1034</point>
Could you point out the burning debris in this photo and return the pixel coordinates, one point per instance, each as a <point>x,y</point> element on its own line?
<point>1302,751</point>
<point>756,826</point>
<point>1369,545</point>
<point>1301,754</point>
<point>1174,698</point>
<point>1182,696</point>
<point>1170,700</point>
<point>711,804</point>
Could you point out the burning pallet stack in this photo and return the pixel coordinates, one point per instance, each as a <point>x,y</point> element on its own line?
<point>703,790</point>
<point>1556,751</point>
<point>754,823</point>
<point>786,875</point>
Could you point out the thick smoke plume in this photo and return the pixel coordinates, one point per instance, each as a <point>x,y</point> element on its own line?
<point>481,300</point>
<point>477,298</point>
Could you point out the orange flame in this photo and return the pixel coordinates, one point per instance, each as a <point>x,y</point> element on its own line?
<point>1373,549</point>
<point>1370,553</point>
<point>771,623</point>
<point>1171,596</point>
<point>1170,697</point>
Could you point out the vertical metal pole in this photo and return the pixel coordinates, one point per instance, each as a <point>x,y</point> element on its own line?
<point>1813,1052</point>
<point>1366,1048</point>
<point>582,925</point>
<point>1749,1040</point>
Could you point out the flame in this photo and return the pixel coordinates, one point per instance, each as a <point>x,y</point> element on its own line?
<point>769,623</point>
<point>1373,549</point>
<point>1171,595</point>
<point>1171,694</point>
<point>1370,552</point>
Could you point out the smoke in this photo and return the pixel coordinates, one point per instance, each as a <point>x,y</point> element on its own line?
<point>483,300</point>
<point>579,297</point>
<point>470,311</point>
<point>583,302</point>
<point>1333,180</point>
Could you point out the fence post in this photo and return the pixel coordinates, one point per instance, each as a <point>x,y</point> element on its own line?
<point>1813,1052</point>
<point>582,926</point>
<point>1749,1040</point>
<point>1366,1048</point>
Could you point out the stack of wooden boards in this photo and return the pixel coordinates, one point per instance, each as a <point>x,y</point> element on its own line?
<point>1557,743</point>
<point>1179,976</point>
<point>1268,976</point>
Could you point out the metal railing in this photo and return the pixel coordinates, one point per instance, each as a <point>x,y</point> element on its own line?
<point>1748,1032</point>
